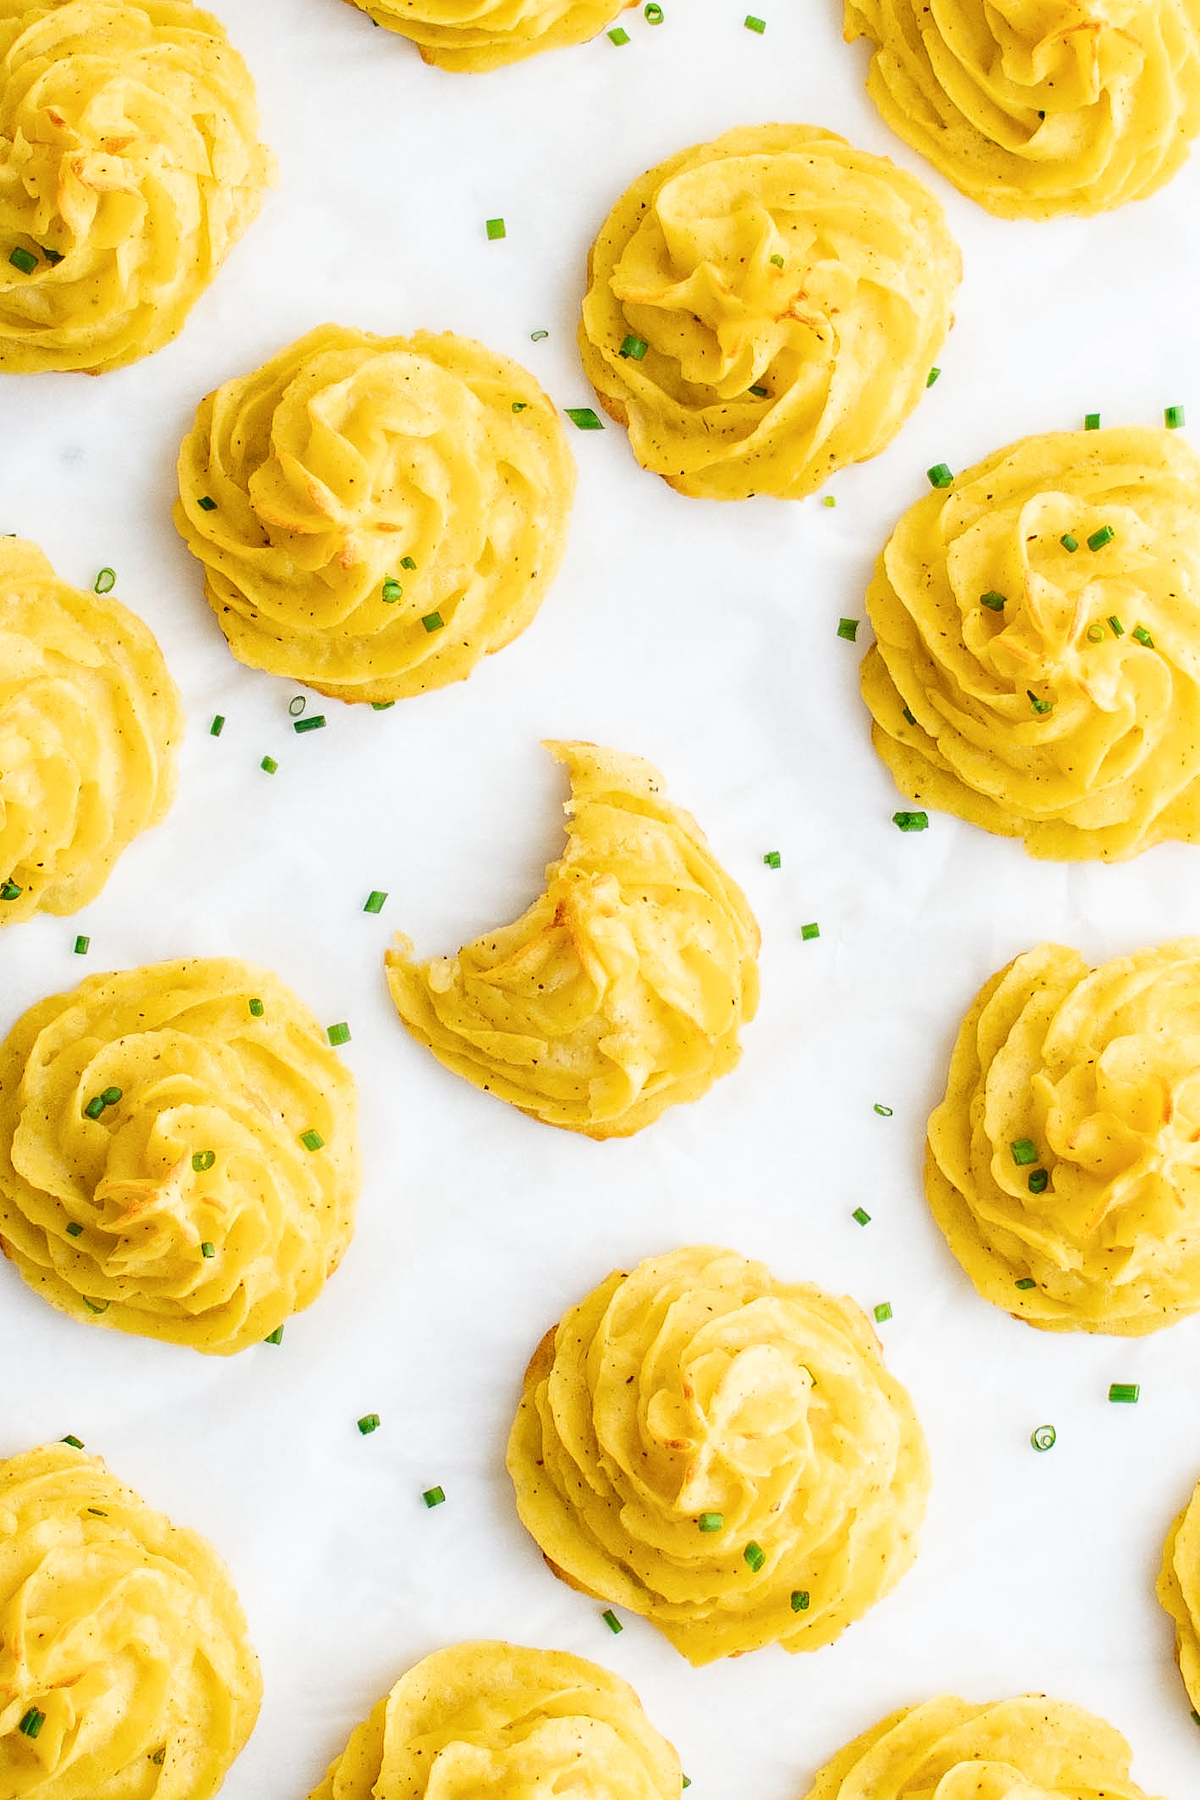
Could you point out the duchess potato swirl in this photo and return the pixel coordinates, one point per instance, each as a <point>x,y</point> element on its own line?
<point>788,294</point>
<point>1179,1592</point>
<point>90,721</point>
<point>375,515</point>
<point>1036,668</point>
<point>472,35</point>
<point>1030,1748</point>
<point>178,1153</point>
<point>129,166</point>
<point>1039,107</point>
<point>500,1720</point>
<point>722,1452</point>
<point>1067,1149</point>
<point>126,1672</point>
<point>623,990</point>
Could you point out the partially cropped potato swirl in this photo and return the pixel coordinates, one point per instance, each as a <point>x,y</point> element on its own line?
<point>1064,1161</point>
<point>623,990</point>
<point>722,1452</point>
<point>375,515</point>
<point>1179,1592</point>
<point>1036,668</point>
<point>499,1720</point>
<point>472,35</point>
<point>1039,107</point>
<point>129,166</point>
<point>178,1152</point>
<point>126,1672</point>
<point>763,309</point>
<point>90,721</point>
<point>1030,1748</point>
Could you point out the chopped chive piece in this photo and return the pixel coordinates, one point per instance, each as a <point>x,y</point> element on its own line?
<point>1196,1715</point>
<point>75,1443</point>
<point>33,1720</point>
<point>1044,1438</point>
<point>434,1496</point>
<point>276,1336</point>
<point>1115,625</point>
<point>24,260</point>
<point>105,581</point>
<point>536,336</point>
<point>773,859</point>
<point>94,1306</point>
<point>755,1555</point>
<point>808,932</point>
<point>911,821</point>
<point>519,406</point>
<point>338,1034</point>
<point>584,419</point>
<point>391,591</point>
<point>932,377</point>
<point>368,1423</point>
<point>1039,706</point>
<point>434,622</point>
<point>611,1620</point>
<point>800,1600</point>
<point>312,1140</point>
<point>686,1780</point>
<point>883,1312</point>
<point>256,1008</point>
<point>10,891</point>
<point>1039,1181</point>
<point>203,1159</point>
<point>160,1755</point>
<point>206,503</point>
<point>217,726</point>
<point>618,35</point>
<point>635,347</point>
<point>1173,418</point>
<point>910,718</point>
<point>710,1521</point>
<point>1091,422</point>
<point>315,723</point>
<point>53,257</point>
<point>1026,1282</point>
<point>885,1112</point>
<point>207,1249</point>
<point>269,764</point>
<point>296,705</point>
<point>753,24</point>
<point>848,629</point>
<point>654,13</point>
<point>495,229</point>
<point>1095,634</point>
<point>382,705</point>
<point>375,900</point>
<point>74,1229</point>
<point>82,945</point>
<point>777,260</point>
<point>1024,1151</point>
<point>860,1217</point>
<point>1143,636</point>
<point>1098,539</point>
<point>111,1096</point>
<point>97,1512</point>
<point>995,601</point>
<point>94,1108</point>
<point>1124,1393</point>
<point>406,562</point>
<point>941,475</point>
<point>829,500</point>
<point>1068,542</point>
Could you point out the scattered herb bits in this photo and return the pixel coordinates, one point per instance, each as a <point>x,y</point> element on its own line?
<point>653,13</point>
<point>1068,542</point>
<point>777,260</point>
<point>1173,418</point>
<point>207,1250</point>
<point>1039,706</point>
<point>710,1521</point>
<point>296,705</point>
<point>759,392</point>
<point>1044,1437</point>
<point>75,1443</point>
<point>1024,1152</point>
<point>618,35</point>
<point>848,629</point>
<point>315,723</point>
<point>434,1496</point>
<point>941,475</point>
<point>584,418</point>
<point>10,891</point>
<point>1095,634</point>
<point>519,406</point>
<point>206,503</point>
<point>1124,1393</point>
<point>27,262</point>
<point>809,932</point>
<point>105,581</point>
<point>773,859</point>
<point>1115,625</point>
<point>885,1112</point>
<point>217,726</point>
<point>391,591</point>
<point>1039,1181</point>
<point>611,1620</point>
<point>755,1556</point>
<point>932,377</point>
<point>861,1216</point>
<point>634,347</point>
<point>993,601</point>
<point>269,765</point>
<point>368,1423</point>
<point>433,622</point>
<point>32,1721</point>
<point>82,945</point>
<point>535,337</point>
<point>753,24</point>
<point>1098,539</point>
<point>1142,636</point>
<point>495,229</point>
<point>312,1140</point>
<point>911,821</point>
<point>256,1008</point>
<point>74,1230</point>
<point>338,1034</point>
<point>203,1160</point>
<point>883,1312</point>
<point>1025,1283</point>
<point>375,901</point>
<point>406,562</point>
<point>1091,422</point>
<point>276,1336</point>
<point>829,500</point>
<point>800,1600</point>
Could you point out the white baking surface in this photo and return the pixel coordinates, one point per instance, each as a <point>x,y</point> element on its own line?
<point>704,637</point>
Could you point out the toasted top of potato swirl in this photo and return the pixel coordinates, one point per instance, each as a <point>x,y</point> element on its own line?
<point>722,1452</point>
<point>1036,668</point>
<point>763,309</point>
<point>126,1672</point>
<point>1179,1592</point>
<point>129,166</point>
<point>375,515</point>
<point>623,990</point>
<point>509,1722</point>
<point>1064,1161</point>
<point>1039,107</point>
<point>473,35</point>
<point>178,1152</point>
<point>1030,1748</point>
<point>90,722</point>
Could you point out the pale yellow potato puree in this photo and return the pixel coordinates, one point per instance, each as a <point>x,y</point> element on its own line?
<point>472,35</point>
<point>1179,1592</point>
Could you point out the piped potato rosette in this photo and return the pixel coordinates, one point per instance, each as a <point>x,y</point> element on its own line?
<point>1064,1162</point>
<point>499,1720</point>
<point>721,1452</point>
<point>129,166</point>
<point>1039,107</point>
<point>764,309</point>
<point>90,722</point>
<point>619,993</point>
<point>1179,1592</point>
<point>474,35</point>
<point>1030,1748</point>
<point>126,1671</point>
<point>375,515</point>
<point>1036,668</point>
<point>178,1153</point>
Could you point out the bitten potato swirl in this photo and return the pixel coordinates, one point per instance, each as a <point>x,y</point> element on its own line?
<point>90,721</point>
<point>487,34</point>
<point>1030,1748</point>
<point>126,1672</point>
<point>622,991</point>
<point>499,1720</point>
<point>1066,1152</point>
<point>1039,107</point>
<point>1045,691</point>
<point>178,1152</point>
<point>129,166</point>
<point>721,1452</point>
<point>764,309</point>
<point>375,515</point>
<point>1179,1592</point>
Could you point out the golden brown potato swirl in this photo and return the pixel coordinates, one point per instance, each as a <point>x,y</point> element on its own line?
<point>375,515</point>
<point>126,1672</point>
<point>129,166</point>
<point>721,1452</point>
<point>1179,1592</point>
<point>1064,1161</point>
<point>623,990</point>
<point>1030,1748</point>
<point>511,1723</point>
<point>178,1152</point>
<point>472,35</point>
<point>763,309</point>
<point>1038,107</point>
<point>90,721</point>
<point>1036,668</point>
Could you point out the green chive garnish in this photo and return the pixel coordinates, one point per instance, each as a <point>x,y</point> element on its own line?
<point>911,821</point>
<point>1095,634</point>
<point>860,1217</point>
<point>536,336</point>
<point>94,1306</point>
<point>312,1140</point>
<point>276,1336</point>
<point>777,260</point>
<point>1091,422</point>
<point>382,705</point>
<point>1173,418</point>
<point>256,1008</point>
<point>74,1229</point>
<point>1026,1282</point>
<point>885,1112</point>
<point>808,932</point>
<point>406,562</point>
<point>315,723</point>
<point>584,419</point>
<point>1068,542</point>
<point>23,260</point>
<point>105,581</point>
<point>635,347</point>
<point>1143,636</point>
<point>111,1096</point>
<point>82,945</point>
<point>654,13</point>
<point>434,622</point>
<point>94,1108</point>
<point>992,599</point>
<point>203,1159</point>
<point>33,1720</point>
<point>207,1250</point>
<point>1024,1151</point>
<point>495,229</point>
<point>1124,1393</point>
<point>800,1600</point>
<point>829,500</point>
<point>710,1521</point>
<point>368,1423</point>
<point>434,1496</point>
<point>932,377</point>
<point>75,1443</point>
<point>618,35</point>
<point>10,891</point>
<point>848,629</point>
<point>1039,1181</point>
<point>53,257</point>
<point>940,476</point>
<point>374,901</point>
<point>611,1620</point>
<point>338,1034</point>
<point>1115,625</point>
<point>1044,1437</point>
<point>1098,539</point>
<point>391,591</point>
<point>883,1313</point>
<point>269,764</point>
<point>753,24</point>
<point>519,406</point>
<point>296,705</point>
<point>755,1555</point>
<point>217,726</point>
<point>773,859</point>
<point>1039,706</point>
<point>206,503</point>
<point>910,718</point>
<point>686,1780</point>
